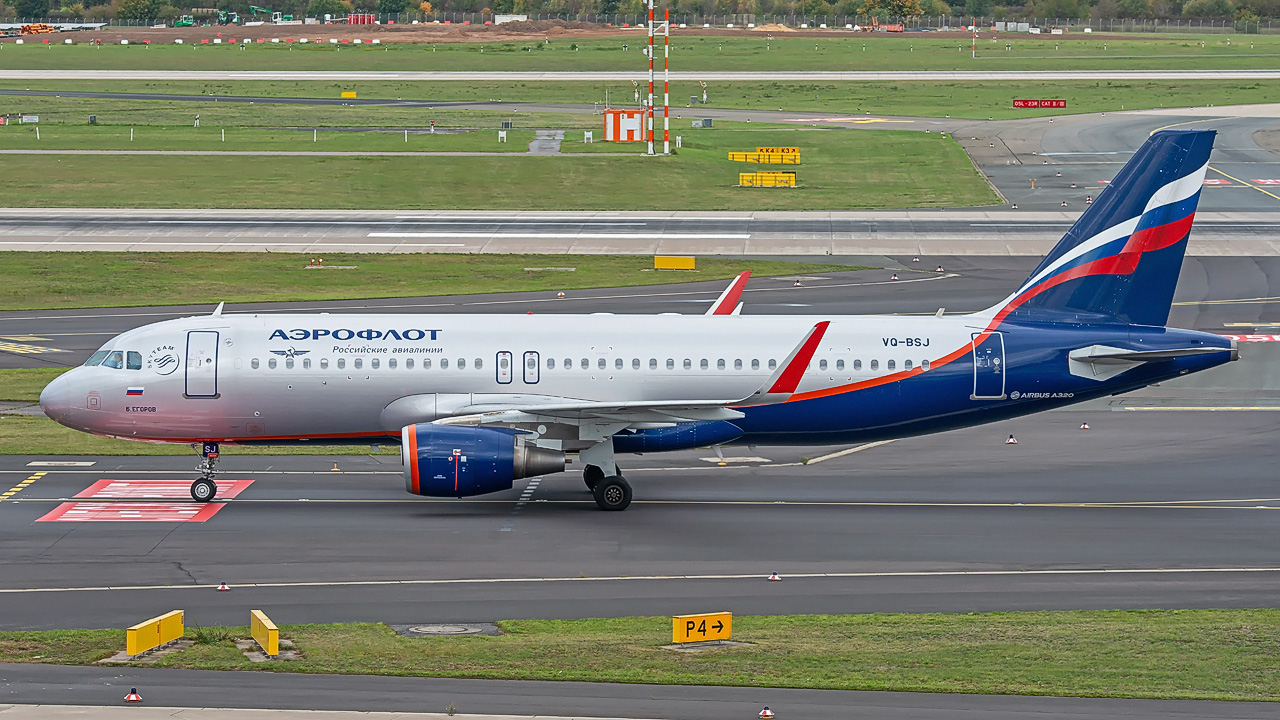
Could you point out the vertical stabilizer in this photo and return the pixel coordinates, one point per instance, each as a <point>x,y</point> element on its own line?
<point>1120,261</point>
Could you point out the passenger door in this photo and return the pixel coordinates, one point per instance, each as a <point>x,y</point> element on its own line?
<point>202,364</point>
<point>988,366</point>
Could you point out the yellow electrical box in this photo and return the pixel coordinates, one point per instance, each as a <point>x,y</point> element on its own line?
<point>672,262</point>
<point>697,628</point>
<point>264,632</point>
<point>153,633</point>
<point>348,94</point>
<point>764,158</point>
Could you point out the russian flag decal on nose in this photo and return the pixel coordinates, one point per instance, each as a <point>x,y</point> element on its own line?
<point>133,391</point>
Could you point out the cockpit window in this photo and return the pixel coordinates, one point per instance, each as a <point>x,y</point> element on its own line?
<point>114,360</point>
<point>134,360</point>
<point>96,358</point>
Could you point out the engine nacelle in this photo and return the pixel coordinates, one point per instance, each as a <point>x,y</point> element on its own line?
<point>458,461</point>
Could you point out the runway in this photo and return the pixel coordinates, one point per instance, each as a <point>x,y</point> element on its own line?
<point>851,233</point>
<point>682,75</point>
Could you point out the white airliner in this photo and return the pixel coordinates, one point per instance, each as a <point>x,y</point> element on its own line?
<point>478,401</point>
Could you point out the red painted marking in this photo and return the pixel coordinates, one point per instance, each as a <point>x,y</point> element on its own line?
<point>730,300</point>
<point>1216,181</point>
<point>132,512</point>
<point>791,374</point>
<point>1254,338</point>
<point>156,489</point>
<point>1267,181</point>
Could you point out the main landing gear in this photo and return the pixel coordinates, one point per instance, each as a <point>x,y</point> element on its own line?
<point>204,489</point>
<point>610,493</point>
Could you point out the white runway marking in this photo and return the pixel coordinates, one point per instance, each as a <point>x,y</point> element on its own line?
<point>1062,572</point>
<point>566,235</point>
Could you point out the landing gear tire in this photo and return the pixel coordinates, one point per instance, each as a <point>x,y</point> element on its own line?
<point>591,475</point>
<point>612,493</point>
<point>203,490</point>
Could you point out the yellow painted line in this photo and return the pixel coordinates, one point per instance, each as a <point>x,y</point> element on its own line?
<point>20,487</point>
<point>1255,324</point>
<point>652,578</point>
<point>1238,301</point>
<point>1189,122</point>
<point>1242,182</point>
<point>1171,408</point>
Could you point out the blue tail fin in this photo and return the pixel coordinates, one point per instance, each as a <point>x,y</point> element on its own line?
<point>1121,259</point>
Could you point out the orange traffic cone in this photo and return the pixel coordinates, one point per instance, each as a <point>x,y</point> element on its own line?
<point>133,696</point>
<point>560,296</point>
<point>766,713</point>
<point>1012,440</point>
<point>915,259</point>
<point>894,277</point>
<point>222,587</point>
<point>1084,426</point>
<point>939,268</point>
<point>774,578</point>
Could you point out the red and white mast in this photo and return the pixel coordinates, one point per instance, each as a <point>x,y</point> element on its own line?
<point>649,109</point>
<point>666,82</point>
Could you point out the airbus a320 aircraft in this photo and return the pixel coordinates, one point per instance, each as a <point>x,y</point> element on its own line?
<point>478,401</point>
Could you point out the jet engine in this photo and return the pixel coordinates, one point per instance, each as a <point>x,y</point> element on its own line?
<point>459,461</point>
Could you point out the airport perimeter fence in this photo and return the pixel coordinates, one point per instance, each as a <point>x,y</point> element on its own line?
<point>838,22</point>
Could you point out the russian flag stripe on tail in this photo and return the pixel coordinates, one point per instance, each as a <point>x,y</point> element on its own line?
<point>1120,261</point>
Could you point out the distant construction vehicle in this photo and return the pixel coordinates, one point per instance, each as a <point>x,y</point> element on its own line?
<point>185,21</point>
<point>276,17</point>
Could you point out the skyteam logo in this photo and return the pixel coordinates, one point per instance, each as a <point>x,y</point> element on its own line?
<point>164,360</point>
<point>290,353</point>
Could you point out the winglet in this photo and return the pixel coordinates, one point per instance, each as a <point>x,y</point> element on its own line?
<point>787,378</point>
<point>728,300</point>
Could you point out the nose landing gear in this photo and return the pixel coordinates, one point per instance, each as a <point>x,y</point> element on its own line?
<point>205,489</point>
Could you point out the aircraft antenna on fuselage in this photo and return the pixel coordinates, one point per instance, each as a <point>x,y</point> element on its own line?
<point>218,310</point>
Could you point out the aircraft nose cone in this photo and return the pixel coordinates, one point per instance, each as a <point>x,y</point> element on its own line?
<point>55,399</point>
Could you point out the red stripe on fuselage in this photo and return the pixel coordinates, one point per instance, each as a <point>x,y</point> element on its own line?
<point>1122,263</point>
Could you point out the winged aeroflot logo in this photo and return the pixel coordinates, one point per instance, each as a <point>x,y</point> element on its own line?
<point>290,352</point>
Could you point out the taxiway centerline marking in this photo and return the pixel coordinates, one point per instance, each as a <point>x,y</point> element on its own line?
<point>652,578</point>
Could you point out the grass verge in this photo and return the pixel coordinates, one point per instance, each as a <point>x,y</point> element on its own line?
<point>42,280</point>
<point>978,100</point>
<point>1166,654</point>
<point>765,50</point>
<point>841,170</point>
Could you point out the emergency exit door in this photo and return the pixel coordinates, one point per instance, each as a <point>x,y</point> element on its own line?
<point>503,367</point>
<point>531,367</point>
<point>202,364</point>
<point>988,366</point>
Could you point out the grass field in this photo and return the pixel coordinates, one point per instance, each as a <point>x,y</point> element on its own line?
<point>151,137</point>
<point>841,170</point>
<point>1182,654</point>
<point>933,99</point>
<point>688,52</point>
<point>91,279</point>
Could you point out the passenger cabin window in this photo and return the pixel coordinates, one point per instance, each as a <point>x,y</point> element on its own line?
<point>720,364</point>
<point>271,363</point>
<point>737,364</point>
<point>839,364</point>
<point>444,363</point>
<point>688,364</point>
<point>462,363</point>
<point>306,363</point>
<point>773,364</point>
<point>357,363</point>
<point>479,363</point>
<point>288,362</point>
<point>822,364</point>
<point>551,363</point>
<point>671,364</point>
<point>374,363</point>
<point>114,360</point>
<point>133,360</point>
<point>324,363</point>
<point>408,363</point>
<point>924,364</point>
<point>906,364</point>
<point>703,365</point>
<point>617,364</point>
<point>653,363</point>
<point>635,363</point>
<point>755,363</point>
<point>585,364</point>
<point>391,364</point>
<point>857,364</point>
<point>503,363</point>
<point>891,365</point>
<point>875,364</point>
<point>254,363</point>
<point>426,363</point>
<point>342,363</point>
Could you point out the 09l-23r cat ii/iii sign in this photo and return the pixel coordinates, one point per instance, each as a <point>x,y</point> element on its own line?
<point>478,401</point>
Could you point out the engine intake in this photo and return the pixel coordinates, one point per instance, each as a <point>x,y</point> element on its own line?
<point>460,461</point>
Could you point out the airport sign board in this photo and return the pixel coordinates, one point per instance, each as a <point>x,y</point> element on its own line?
<point>698,628</point>
<point>1039,103</point>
